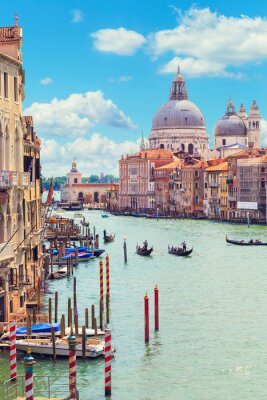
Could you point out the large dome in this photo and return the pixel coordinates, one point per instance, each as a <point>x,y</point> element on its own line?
<point>178,114</point>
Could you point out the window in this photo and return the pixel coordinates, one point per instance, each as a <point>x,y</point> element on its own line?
<point>75,180</point>
<point>196,174</point>
<point>15,89</point>
<point>206,185</point>
<point>224,142</point>
<point>196,199</point>
<point>6,85</point>
<point>196,185</point>
<point>262,184</point>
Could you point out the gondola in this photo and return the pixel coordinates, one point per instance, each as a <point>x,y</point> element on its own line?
<point>245,243</point>
<point>108,238</point>
<point>142,252</point>
<point>179,252</point>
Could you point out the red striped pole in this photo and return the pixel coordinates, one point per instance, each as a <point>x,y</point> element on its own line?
<point>107,278</point>
<point>156,307</point>
<point>146,312</point>
<point>72,366</point>
<point>108,357</point>
<point>28,362</point>
<point>13,352</point>
<point>101,283</point>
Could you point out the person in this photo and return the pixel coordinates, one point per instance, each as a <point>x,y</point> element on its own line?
<point>184,246</point>
<point>145,245</point>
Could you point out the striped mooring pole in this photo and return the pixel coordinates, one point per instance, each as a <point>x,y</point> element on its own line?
<point>156,307</point>
<point>72,366</point>
<point>108,357</point>
<point>13,351</point>
<point>28,362</point>
<point>107,278</point>
<point>101,283</point>
<point>146,314</point>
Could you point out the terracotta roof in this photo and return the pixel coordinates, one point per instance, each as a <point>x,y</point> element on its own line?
<point>177,163</point>
<point>221,167</point>
<point>248,153</point>
<point>155,153</point>
<point>108,185</point>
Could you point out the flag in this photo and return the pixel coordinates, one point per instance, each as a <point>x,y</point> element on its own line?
<point>49,199</point>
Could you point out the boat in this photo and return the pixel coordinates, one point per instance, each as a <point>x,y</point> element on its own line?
<point>142,252</point>
<point>97,252</point>
<point>246,243</point>
<point>38,329</point>
<point>78,215</point>
<point>58,274</point>
<point>179,251</point>
<point>82,255</point>
<point>104,215</point>
<point>94,347</point>
<point>108,238</point>
<point>71,205</point>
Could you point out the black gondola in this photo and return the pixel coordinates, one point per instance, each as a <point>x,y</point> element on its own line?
<point>142,252</point>
<point>108,238</point>
<point>245,243</point>
<point>179,251</point>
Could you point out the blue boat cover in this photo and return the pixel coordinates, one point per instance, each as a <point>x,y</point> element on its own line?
<point>39,328</point>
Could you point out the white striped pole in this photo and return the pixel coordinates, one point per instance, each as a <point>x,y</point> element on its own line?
<point>28,362</point>
<point>13,353</point>
<point>72,366</point>
<point>108,357</point>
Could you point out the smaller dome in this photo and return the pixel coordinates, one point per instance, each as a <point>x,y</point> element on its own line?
<point>231,125</point>
<point>254,109</point>
<point>74,166</point>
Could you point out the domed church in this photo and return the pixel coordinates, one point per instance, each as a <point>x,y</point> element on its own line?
<point>179,124</point>
<point>237,130</point>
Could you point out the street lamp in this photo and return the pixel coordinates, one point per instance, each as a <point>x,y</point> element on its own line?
<point>157,213</point>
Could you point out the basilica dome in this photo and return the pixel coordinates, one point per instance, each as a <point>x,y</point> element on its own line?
<point>231,124</point>
<point>178,123</point>
<point>175,113</point>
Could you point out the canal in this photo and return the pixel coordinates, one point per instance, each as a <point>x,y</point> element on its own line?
<point>212,340</point>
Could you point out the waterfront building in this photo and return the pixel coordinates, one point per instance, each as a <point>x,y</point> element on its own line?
<point>75,190</point>
<point>17,180</point>
<point>137,178</point>
<point>237,130</point>
<point>216,177</point>
<point>179,124</point>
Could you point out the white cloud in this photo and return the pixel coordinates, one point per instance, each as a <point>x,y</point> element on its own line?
<point>211,44</point>
<point>77,16</point>
<point>89,154</point>
<point>123,78</point>
<point>119,41</point>
<point>77,113</point>
<point>197,67</point>
<point>263,133</point>
<point>46,81</point>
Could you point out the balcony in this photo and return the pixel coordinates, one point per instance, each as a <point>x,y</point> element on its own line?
<point>214,185</point>
<point>24,179</point>
<point>8,179</point>
<point>6,252</point>
<point>232,197</point>
<point>214,200</point>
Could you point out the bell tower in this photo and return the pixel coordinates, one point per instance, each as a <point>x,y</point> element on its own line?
<point>254,130</point>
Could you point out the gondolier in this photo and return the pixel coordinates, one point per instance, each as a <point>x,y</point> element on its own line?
<point>184,245</point>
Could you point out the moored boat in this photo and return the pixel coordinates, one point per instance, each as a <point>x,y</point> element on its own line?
<point>94,347</point>
<point>250,242</point>
<point>141,251</point>
<point>82,255</point>
<point>58,274</point>
<point>108,238</point>
<point>179,251</point>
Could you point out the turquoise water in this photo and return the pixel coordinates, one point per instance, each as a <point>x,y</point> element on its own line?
<point>212,340</point>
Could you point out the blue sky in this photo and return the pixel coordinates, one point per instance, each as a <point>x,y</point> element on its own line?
<point>109,65</point>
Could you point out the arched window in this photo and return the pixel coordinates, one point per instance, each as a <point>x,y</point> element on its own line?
<point>96,197</point>
<point>21,301</point>
<point>257,124</point>
<point>262,184</point>
<point>11,306</point>
<point>190,148</point>
<point>7,149</point>
<point>80,196</point>
<point>196,185</point>
<point>196,199</point>
<point>182,147</point>
<point>161,146</point>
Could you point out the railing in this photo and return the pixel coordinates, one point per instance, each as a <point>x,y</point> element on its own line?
<point>232,197</point>
<point>44,386</point>
<point>24,178</point>
<point>8,179</point>
<point>6,251</point>
<point>214,185</point>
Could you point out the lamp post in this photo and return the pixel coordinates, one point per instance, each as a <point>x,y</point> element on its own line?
<point>157,213</point>
<point>248,218</point>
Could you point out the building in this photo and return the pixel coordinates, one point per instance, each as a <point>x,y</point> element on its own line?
<point>216,177</point>
<point>179,124</point>
<point>19,187</point>
<point>90,193</point>
<point>137,178</point>
<point>237,130</point>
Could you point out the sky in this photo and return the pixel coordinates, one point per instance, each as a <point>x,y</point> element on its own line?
<point>97,71</point>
